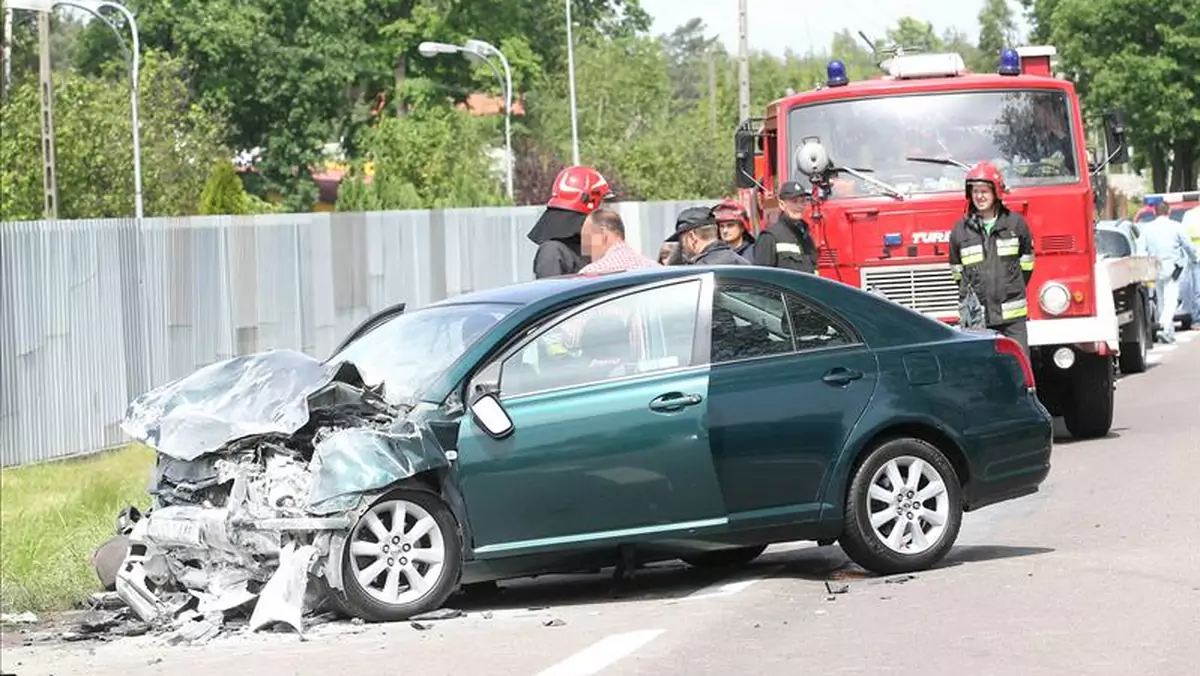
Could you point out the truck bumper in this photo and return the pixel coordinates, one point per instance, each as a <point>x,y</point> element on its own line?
<point>1075,331</point>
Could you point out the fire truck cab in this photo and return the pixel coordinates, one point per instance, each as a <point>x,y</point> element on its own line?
<point>884,162</point>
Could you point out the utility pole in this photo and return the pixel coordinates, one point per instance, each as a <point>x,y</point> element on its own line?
<point>743,64</point>
<point>712,91</point>
<point>46,92</point>
<point>7,52</point>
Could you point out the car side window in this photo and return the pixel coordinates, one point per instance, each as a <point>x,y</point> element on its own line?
<point>813,329</point>
<point>748,321</point>
<point>642,332</point>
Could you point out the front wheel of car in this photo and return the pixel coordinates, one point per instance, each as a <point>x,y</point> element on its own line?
<point>403,557</point>
<point>903,509</point>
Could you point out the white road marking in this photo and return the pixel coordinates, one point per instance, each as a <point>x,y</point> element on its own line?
<point>602,653</point>
<point>723,588</point>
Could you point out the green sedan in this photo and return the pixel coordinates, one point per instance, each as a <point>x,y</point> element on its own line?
<point>574,423</point>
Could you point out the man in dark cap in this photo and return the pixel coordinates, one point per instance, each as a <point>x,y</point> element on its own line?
<point>788,242</point>
<point>700,239</point>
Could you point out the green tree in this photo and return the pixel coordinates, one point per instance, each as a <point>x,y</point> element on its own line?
<point>294,76</point>
<point>64,33</point>
<point>912,34</point>
<point>93,135</point>
<point>224,193</point>
<point>997,28</point>
<point>1142,58</point>
<point>436,156</point>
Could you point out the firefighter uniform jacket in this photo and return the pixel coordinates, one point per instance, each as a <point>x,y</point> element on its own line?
<point>786,245</point>
<point>996,265</point>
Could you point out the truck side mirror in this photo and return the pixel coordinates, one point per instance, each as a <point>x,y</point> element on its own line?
<point>1114,137</point>
<point>744,152</point>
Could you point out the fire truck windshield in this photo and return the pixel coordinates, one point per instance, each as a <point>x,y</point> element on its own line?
<point>1027,134</point>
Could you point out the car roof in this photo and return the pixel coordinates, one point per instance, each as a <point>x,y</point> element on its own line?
<point>526,293</point>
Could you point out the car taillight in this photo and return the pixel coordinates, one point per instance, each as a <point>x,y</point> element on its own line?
<point>1010,347</point>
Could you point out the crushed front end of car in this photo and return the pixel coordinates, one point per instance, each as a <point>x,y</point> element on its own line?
<point>264,464</point>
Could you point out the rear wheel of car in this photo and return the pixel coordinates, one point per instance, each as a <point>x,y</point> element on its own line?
<point>1133,353</point>
<point>1186,322</point>
<point>403,557</point>
<point>1088,408</point>
<point>724,558</point>
<point>903,509</point>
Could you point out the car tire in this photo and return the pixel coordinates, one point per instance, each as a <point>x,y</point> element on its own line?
<point>1088,408</point>
<point>1133,354</point>
<point>1186,323</point>
<point>724,558</point>
<point>873,546</point>
<point>403,585</point>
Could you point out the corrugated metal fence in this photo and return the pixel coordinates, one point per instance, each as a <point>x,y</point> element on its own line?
<point>93,313</point>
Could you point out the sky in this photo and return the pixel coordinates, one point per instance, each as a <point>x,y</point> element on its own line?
<point>776,25</point>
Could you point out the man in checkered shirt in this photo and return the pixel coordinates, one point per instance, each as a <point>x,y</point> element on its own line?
<point>603,241</point>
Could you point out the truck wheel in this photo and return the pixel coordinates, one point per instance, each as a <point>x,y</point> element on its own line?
<point>1088,409</point>
<point>1133,353</point>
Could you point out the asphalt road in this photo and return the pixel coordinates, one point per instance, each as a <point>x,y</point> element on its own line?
<point>1097,574</point>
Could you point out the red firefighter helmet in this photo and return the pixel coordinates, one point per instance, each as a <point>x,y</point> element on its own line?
<point>986,172</point>
<point>579,188</point>
<point>732,208</point>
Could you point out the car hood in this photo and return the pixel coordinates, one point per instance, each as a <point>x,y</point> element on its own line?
<point>271,392</point>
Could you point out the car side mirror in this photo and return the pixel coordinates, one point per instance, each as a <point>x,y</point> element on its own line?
<point>487,412</point>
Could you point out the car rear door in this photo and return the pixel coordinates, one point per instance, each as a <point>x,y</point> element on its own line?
<point>609,442</point>
<point>789,380</point>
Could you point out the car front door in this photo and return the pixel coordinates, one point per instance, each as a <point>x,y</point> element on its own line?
<point>609,410</point>
<point>788,383</point>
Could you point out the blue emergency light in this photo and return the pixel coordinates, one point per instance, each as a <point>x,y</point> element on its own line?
<point>1151,200</point>
<point>1010,62</point>
<point>836,74</point>
<point>892,239</point>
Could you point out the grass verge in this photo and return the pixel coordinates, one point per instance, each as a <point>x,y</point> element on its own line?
<point>53,516</point>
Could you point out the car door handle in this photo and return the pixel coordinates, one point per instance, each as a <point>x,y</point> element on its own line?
<point>674,401</point>
<point>841,376</point>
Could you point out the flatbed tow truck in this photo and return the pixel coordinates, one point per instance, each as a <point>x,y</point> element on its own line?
<point>884,161</point>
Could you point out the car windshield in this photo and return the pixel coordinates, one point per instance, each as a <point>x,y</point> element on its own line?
<point>408,351</point>
<point>1027,134</point>
<point>1112,244</point>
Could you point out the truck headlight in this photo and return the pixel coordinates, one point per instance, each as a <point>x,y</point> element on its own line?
<point>1055,298</point>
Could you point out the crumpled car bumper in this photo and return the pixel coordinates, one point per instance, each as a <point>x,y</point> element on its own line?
<point>255,494</point>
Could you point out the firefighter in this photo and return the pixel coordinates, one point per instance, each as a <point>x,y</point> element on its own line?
<point>734,224</point>
<point>788,242</point>
<point>991,255</point>
<point>578,191</point>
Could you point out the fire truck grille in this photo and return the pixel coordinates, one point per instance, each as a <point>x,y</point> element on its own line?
<point>1058,243</point>
<point>929,289</point>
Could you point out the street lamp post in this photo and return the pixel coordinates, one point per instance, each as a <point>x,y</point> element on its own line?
<point>94,7</point>
<point>571,85</point>
<point>481,50</point>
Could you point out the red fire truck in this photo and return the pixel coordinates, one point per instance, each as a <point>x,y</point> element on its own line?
<point>884,160</point>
